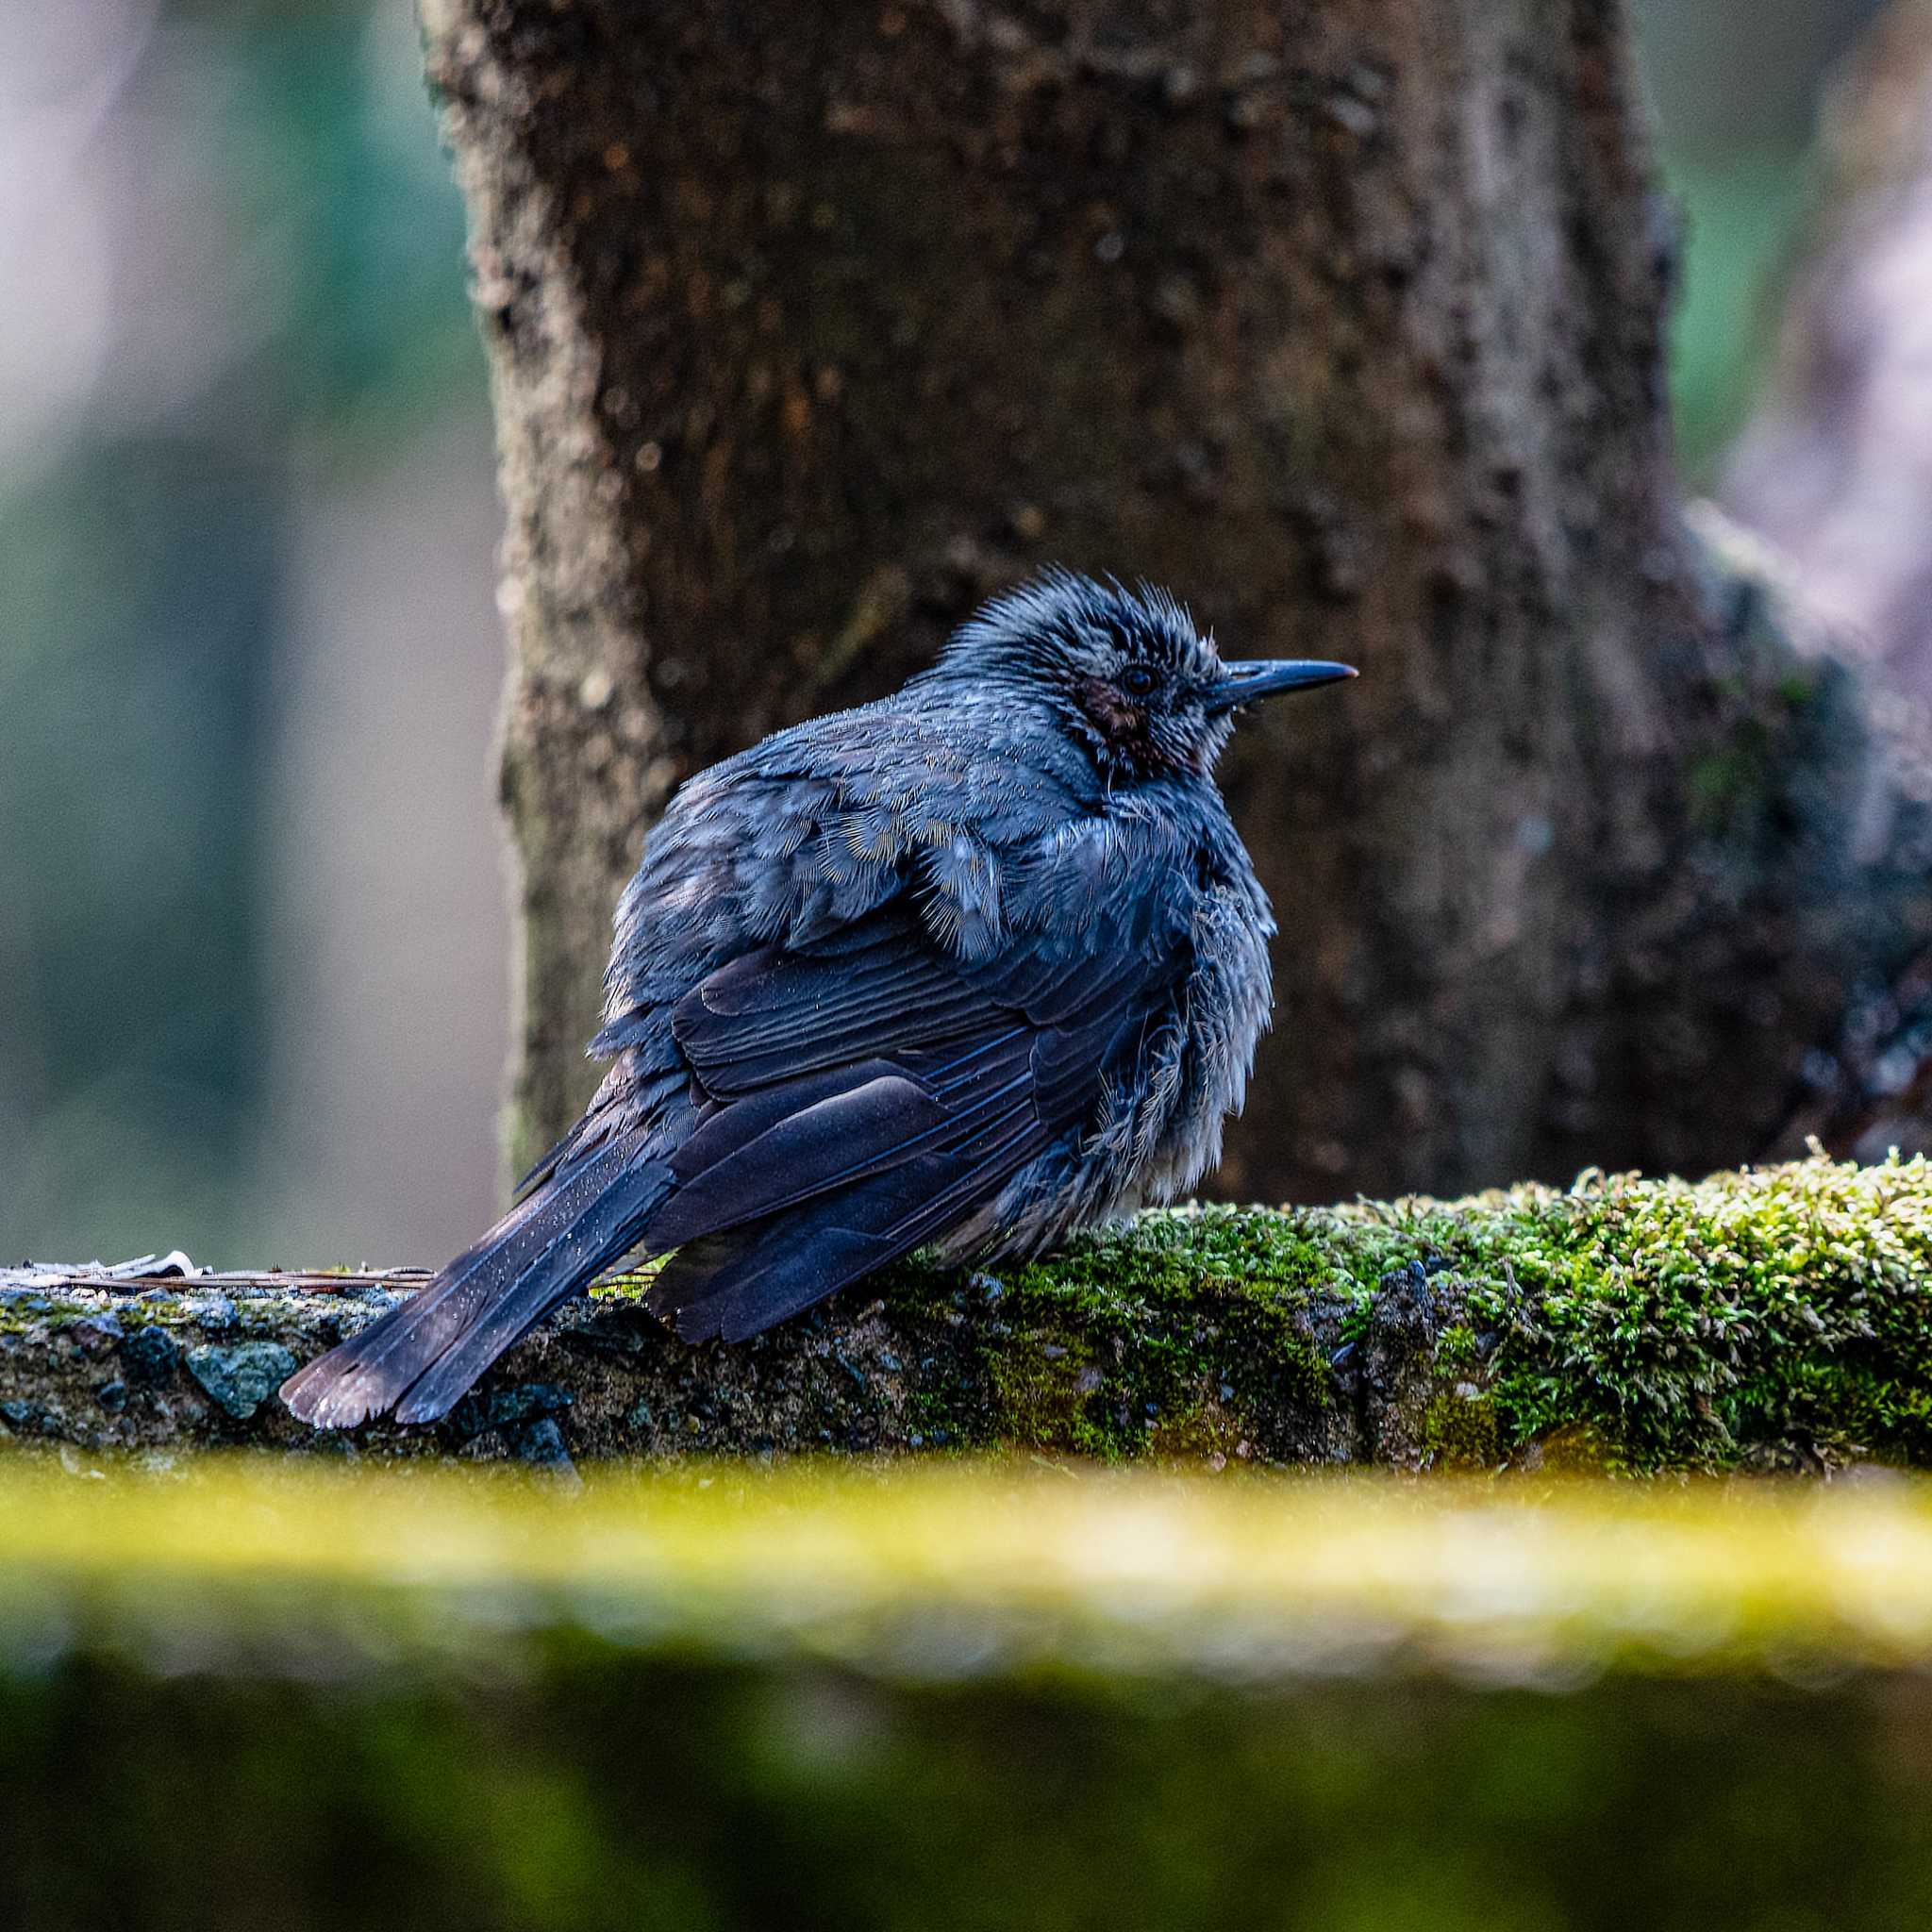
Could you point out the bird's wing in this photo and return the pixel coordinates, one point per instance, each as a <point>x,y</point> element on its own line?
<point>849,1004</point>
<point>866,1092</point>
<point>807,834</point>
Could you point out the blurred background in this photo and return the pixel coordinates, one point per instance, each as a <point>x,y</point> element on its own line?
<point>254,956</point>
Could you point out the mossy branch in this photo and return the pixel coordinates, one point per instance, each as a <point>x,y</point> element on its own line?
<point>1780,1318</point>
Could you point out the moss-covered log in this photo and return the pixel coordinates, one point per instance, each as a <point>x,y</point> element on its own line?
<point>960,1700</point>
<point>1781,1318</point>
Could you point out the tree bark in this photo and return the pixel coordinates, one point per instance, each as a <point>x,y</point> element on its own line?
<point>811,324</point>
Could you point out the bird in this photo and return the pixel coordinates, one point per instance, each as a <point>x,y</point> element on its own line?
<point>965,970</point>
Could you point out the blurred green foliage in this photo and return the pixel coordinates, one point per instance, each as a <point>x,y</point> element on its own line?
<point>144,606</point>
<point>329,152</point>
<point>607,1790</point>
<point>1741,213</point>
<point>1735,87</point>
<point>136,584</point>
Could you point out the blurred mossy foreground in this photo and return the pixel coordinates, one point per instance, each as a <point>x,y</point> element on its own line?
<point>255,1694</point>
<point>1769,1320</point>
<point>786,1655</point>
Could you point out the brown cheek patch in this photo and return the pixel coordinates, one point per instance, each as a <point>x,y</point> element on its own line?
<point>1124,724</point>
<point>1121,723</point>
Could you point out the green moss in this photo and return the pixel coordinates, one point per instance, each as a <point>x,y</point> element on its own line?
<point>1780,1319</point>
<point>18,1314</point>
<point>1460,1430</point>
<point>1678,1322</point>
<point>1169,1338</point>
<point>1786,1306</point>
<point>628,1283</point>
<point>1779,1315</point>
<point>1046,1394</point>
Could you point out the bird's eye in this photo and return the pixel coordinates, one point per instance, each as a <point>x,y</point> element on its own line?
<point>1137,681</point>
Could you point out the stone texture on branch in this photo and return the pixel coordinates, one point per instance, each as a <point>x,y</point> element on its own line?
<point>1780,1319</point>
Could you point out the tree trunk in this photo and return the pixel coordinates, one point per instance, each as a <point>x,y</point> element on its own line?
<point>811,324</point>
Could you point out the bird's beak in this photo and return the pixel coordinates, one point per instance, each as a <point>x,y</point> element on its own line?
<point>1241,684</point>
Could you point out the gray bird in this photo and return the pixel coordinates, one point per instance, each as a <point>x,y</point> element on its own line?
<point>966,968</point>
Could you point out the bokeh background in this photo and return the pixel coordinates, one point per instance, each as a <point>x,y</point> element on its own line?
<point>254,955</point>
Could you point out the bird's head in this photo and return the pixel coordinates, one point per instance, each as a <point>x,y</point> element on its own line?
<point>1124,672</point>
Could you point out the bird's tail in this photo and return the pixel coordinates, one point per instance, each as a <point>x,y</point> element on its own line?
<point>422,1357</point>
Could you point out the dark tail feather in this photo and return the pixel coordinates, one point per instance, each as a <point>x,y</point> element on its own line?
<point>736,1284</point>
<point>419,1358</point>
